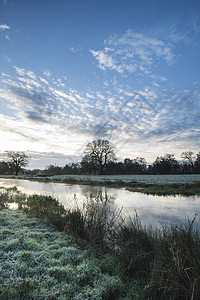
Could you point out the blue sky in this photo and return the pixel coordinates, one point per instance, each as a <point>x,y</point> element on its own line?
<point>73,71</point>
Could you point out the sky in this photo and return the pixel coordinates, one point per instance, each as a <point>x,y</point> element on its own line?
<point>72,71</point>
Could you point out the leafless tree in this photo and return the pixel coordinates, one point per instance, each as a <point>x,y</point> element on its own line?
<point>17,160</point>
<point>99,153</point>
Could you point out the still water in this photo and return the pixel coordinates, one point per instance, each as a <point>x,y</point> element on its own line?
<point>153,210</point>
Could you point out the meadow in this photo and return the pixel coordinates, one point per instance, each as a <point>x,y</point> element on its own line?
<point>91,252</point>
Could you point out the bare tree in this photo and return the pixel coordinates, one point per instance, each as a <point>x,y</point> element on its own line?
<point>17,160</point>
<point>99,153</point>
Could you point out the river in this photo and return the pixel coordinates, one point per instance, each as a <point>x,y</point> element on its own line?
<point>153,210</point>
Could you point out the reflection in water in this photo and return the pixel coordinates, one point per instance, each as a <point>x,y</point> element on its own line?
<point>151,209</point>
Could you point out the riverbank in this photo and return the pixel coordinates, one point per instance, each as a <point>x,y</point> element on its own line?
<point>185,185</point>
<point>39,262</point>
<point>111,259</point>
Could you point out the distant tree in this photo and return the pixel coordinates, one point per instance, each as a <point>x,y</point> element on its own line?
<point>17,160</point>
<point>52,170</point>
<point>98,154</point>
<point>128,166</point>
<point>189,158</point>
<point>75,168</point>
<point>113,167</point>
<point>165,165</point>
<point>66,169</point>
<point>197,163</point>
<point>88,164</point>
<point>4,167</point>
<point>140,165</point>
<point>135,166</point>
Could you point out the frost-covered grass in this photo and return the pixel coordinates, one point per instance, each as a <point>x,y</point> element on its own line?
<point>149,184</point>
<point>143,179</point>
<point>121,260</point>
<point>38,262</point>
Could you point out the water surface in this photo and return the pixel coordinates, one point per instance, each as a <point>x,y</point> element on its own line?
<point>152,210</point>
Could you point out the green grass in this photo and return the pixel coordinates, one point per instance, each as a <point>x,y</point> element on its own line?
<point>38,262</point>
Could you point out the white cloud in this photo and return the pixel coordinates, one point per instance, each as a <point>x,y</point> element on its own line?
<point>60,93</point>
<point>31,74</point>
<point>44,80</point>
<point>19,71</point>
<point>89,95</point>
<point>61,119</point>
<point>106,61</point>
<point>133,52</point>
<point>30,82</point>
<point>74,50</point>
<point>4,27</point>
<point>47,73</point>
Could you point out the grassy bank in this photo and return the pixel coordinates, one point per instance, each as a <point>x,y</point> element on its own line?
<point>164,190</point>
<point>114,260</point>
<point>39,262</point>
<point>149,184</point>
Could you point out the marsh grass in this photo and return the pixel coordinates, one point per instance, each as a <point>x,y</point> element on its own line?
<point>163,190</point>
<point>175,272</point>
<point>101,222</point>
<point>135,245</point>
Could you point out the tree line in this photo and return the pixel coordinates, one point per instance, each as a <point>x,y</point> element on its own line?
<point>99,158</point>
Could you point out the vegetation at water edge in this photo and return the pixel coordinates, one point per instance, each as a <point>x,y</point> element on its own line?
<point>112,258</point>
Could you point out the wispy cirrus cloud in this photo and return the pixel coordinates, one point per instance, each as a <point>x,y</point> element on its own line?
<point>186,32</point>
